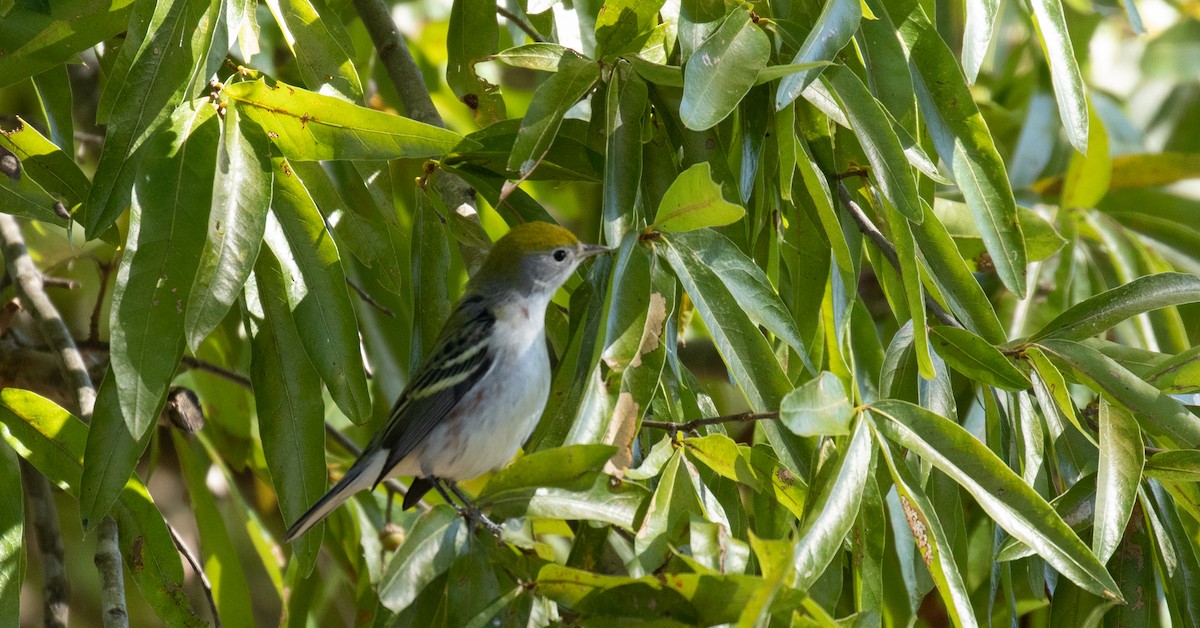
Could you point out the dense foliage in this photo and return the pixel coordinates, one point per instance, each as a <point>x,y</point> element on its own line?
<point>900,324</point>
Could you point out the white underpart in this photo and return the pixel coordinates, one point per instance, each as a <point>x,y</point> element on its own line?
<point>500,421</point>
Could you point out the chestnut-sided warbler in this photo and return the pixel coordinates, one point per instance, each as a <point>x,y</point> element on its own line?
<point>481,390</point>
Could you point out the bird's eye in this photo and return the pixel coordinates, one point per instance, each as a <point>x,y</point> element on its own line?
<point>559,255</point>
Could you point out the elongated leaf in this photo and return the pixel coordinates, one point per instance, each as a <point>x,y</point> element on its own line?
<point>820,407</point>
<point>963,140</point>
<point>154,282</point>
<point>722,70</point>
<point>473,36</point>
<point>320,44</point>
<point>834,28</point>
<point>1089,174</point>
<point>834,508</point>
<point>933,544</point>
<point>625,114</point>
<point>428,551</point>
<point>48,165</point>
<point>1051,27</point>
<point>1157,412</point>
<point>1051,383</point>
<point>977,358</point>
<point>977,34</point>
<point>551,101</point>
<point>543,56</point>
<point>241,195</point>
<point>53,441</point>
<point>693,202</point>
<point>1182,465</point>
<point>1041,238</point>
<point>1186,575</point>
<point>307,126</point>
<point>23,197</point>
<point>1013,504</point>
<point>317,293</point>
<point>1122,455</point>
<point>164,48</point>
<point>1106,309</point>
<point>290,415</point>
<point>755,468</point>
<point>12,533</point>
<point>430,265</point>
<point>36,40</point>
<point>746,283</point>
<point>621,21</point>
<point>888,163</point>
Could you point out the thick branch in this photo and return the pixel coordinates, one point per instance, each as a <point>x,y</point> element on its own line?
<point>31,291</point>
<point>688,426</point>
<point>880,241</point>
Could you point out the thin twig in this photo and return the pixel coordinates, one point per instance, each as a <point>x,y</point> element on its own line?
<point>521,24</point>
<point>197,567</point>
<point>368,299</point>
<point>44,517</point>
<point>880,241</point>
<point>393,487</point>
<point>104,270</point>
<point>688,426</point>
<point>60,282</point>
<point>219,371</point>
<point>410,85</point>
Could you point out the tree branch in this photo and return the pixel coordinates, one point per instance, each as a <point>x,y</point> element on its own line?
<point>31,290</point>
<point>44,515</point>
<point>197,567</point>
<point>519,23</point>
<point>688,426</point>
<point>880,241</point>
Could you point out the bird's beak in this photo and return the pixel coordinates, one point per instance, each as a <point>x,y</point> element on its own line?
<point>592,250</point>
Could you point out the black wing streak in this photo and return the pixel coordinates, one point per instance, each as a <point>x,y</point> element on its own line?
<point>412,418</point>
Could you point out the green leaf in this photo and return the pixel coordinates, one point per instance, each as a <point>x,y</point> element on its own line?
<point>53,441</point>
<point>163,54</point>
<point>964,141</point>
<point>241,195</point>
<point>687,598</point>
<point>307,126</point>
<point>154,282</point>
<point>933,544</point>
<point>625,112</point>
<point>317,293</point>
<point>1050,382</point>
<point>834,507</point>
<point>978,27</point>
<point>1090,174</point>
<point>621,21</point>
<point>773,72</point>
<point>1105,310</point>
<point>835,27</point>
<point>546,57</point>
<point>24,197</point>
<point>472,37</point>
<point>35,41</point>
<point>429,549</point>
<point>12,533</point>
<point>746,283</point>
<point>889,166</point>
<point>430,265</point>
<point>321,45</point>
<point>756,468</point>
<point>291,417</point>
<point>47,165</point>
<point>693,202</point>
<point>1041,238</point>
<point>1005,497</point>
<point>820,407</point>
<point>977,358</point>
<point>1180,465</point>
<point>558,93</point>
<point>655,73</point>
<point>720,72</point>
<point>1051,27</point>
<point>1118,476</point>
<point>1185,577</point>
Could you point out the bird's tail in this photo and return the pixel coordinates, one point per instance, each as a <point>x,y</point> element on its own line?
<point>362,474</point>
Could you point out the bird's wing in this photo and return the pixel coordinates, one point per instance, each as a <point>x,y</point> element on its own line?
<point>460,358</point>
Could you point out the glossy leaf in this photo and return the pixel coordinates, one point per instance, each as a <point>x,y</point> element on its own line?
<point>693,202</point>
<point>320,44</point>
<point>1041,238</point>
<point>751,467</point>
<point>720,72</point>
<point>36,40</point>
<point>1013,504</point>
<point>472,37</point>
<point>153,285</point>
<point>834,28</point>
<point>317,292</point>
<point>12,532</point>
<point>1106,309</point>
<point>547,57</point>
<point>625,112</point>
<point>819,407</point>
<point>558,93</point>
<point>976,358</point>
<point>1089,174</point>
<point>307,126</point>
<point>1064,71</point>
<point>241,195</point>
<point>978,28</point>
<point>1122,455</point>
<point>1181,465</point>
<point>428,551</point>
<point>46,165</point>
<point>621,21</point>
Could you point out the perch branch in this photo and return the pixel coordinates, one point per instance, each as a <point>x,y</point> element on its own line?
<point>688,426</point>
<point>197,567</point>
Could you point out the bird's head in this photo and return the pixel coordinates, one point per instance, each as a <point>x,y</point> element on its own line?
<point>534,258</point>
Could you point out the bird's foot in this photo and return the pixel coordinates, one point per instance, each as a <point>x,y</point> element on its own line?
<point>467,510</point>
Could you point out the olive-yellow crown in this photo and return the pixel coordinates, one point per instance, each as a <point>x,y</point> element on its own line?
<point>534,257</point>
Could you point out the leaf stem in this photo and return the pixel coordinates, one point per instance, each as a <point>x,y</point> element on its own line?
<point>688,426</point>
